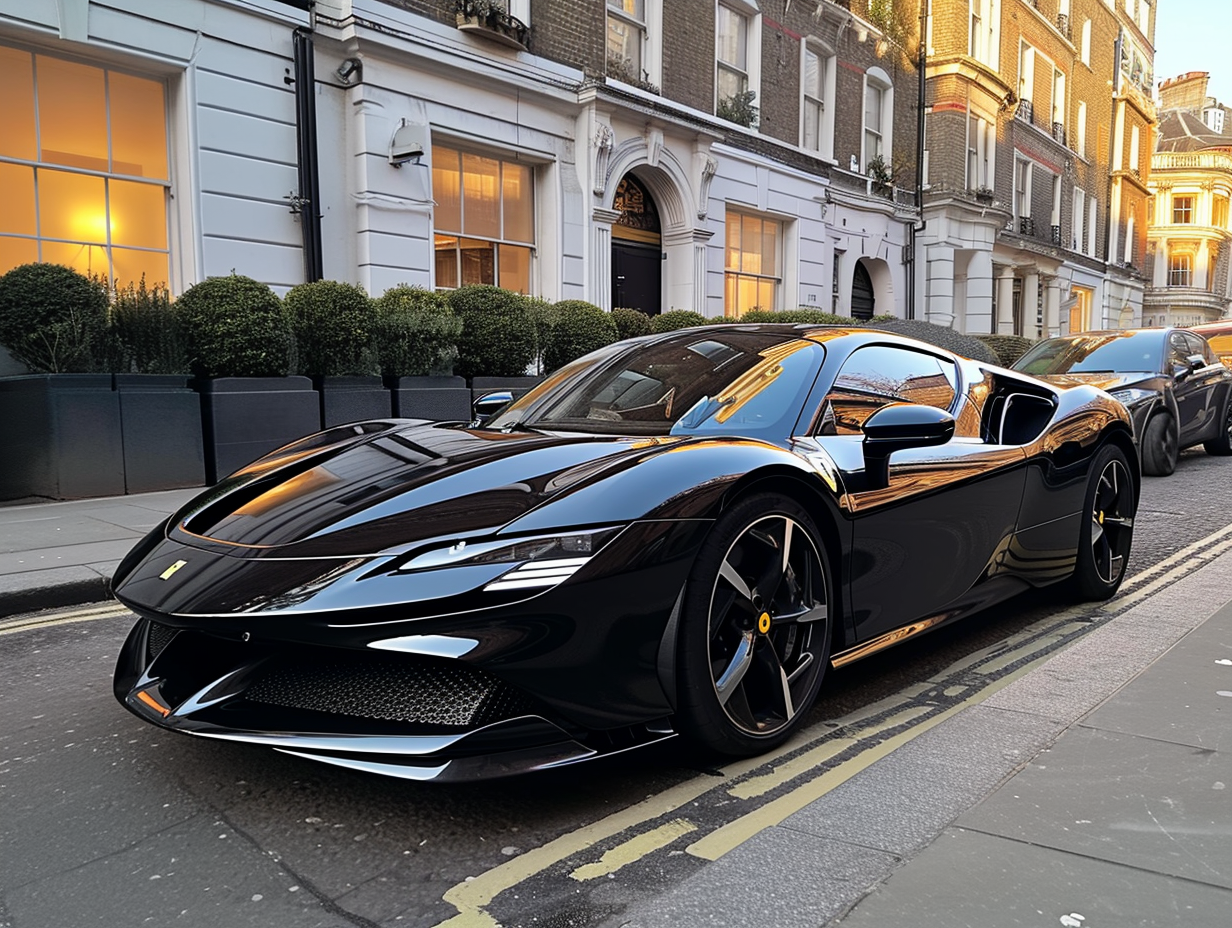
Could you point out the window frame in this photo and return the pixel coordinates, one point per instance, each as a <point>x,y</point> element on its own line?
<point>1180,268</point>
<point>1183,209</point>
<point>751,72</point>
<point>739,273</point>
<point>825,103</point>
<point>879,81</point>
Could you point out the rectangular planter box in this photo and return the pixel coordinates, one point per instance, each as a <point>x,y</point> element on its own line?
<point>160,431</point>
<point>246,417</point>
<point>352,399</point>
<point>442,399</point>
<point>60,437</point>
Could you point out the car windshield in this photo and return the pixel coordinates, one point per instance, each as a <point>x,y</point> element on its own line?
<point>719,380</point>
<point>1099,351</point>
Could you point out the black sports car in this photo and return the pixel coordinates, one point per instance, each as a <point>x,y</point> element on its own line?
<point>1176,389</point>
<point>675,534</point>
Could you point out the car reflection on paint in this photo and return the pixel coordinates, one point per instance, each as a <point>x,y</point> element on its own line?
<point>677,534</point>
<point>1176,389</point>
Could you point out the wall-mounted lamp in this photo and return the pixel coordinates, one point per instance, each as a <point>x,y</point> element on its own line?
<point>406,145</point>
<point>350,71</point>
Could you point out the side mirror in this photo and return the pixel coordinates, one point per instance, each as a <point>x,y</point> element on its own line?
<point>1196,362</point>
<point>489,405</point>
<point>897,427</point>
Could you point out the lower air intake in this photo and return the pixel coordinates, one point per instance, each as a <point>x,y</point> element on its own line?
<point>159,637</point>
<point>414,689</point>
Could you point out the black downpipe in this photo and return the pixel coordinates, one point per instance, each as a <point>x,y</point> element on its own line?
<point>1117,50</point>
<point>915,230</point>
<point>306,149</point>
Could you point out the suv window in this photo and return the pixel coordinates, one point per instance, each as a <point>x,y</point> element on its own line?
<point>878,375</point>
<point>1196,344</point>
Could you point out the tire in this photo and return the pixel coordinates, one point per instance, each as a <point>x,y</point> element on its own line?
<point>1107,529</point>
<point>1221,446</point>
<point>755,627</point>
<point>1160,445</point>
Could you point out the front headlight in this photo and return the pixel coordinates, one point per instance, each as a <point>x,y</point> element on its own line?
<point>1132,396</point>
<point>542,561</point>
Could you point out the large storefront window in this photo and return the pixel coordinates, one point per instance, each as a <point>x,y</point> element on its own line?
<point>752,264</point>
<point>83,168</point>
<point>485,220</point>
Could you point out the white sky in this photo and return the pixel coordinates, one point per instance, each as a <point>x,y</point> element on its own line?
<point>1195,35</point>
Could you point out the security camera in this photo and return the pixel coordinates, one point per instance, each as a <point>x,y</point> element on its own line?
<point>407,145</point>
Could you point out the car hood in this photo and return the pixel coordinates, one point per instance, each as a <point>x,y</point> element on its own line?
<point>384,491</point>
<point>1104,380</point>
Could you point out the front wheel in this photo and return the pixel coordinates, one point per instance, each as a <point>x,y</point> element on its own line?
<point>1107,528</point>
<point>1160,445</point>
<point>1221,445</point>
<point>756,627</point>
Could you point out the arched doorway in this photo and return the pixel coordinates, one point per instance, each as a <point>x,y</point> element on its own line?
<point>863,302</point>
<point>637,249</point>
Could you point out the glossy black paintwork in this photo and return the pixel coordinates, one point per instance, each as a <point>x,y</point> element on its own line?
<point>308,549</point>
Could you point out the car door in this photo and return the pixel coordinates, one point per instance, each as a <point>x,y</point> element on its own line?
<point>920,544</point>
<point>1197,391</point>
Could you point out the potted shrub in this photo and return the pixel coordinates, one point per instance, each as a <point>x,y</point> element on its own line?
<point>239,348</point>
<point>630,323</point>
<point>160,415</point>
<point>676,319</point>
<point>59,424</point>
<point>417,348</point>
<point>334,325</point>
<point>497,343</point>
<point>580,328</point>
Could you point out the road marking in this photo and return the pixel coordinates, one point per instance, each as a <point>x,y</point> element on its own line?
<point>634,849</point>
<point>27,623</point>
<point>759,786</point>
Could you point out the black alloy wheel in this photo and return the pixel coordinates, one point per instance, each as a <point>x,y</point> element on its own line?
<point>1160,445</point>
<point>1108,528</point>
<point>756,627</point>
<point>1222,444</point>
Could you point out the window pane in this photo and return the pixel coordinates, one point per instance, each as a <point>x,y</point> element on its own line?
<point>129,265</point>
<point>478,262</point>
<point>17,182</point>
<point>519,203</point>
<point>765,294</point>
<point>732,262</point>
<point>446,261</point>
<point>624,44</point>
<point>138,214</point>
<point>17,105</point>
<point>15,252</point>
<point>730,83</point>
<point>769,238</point>
<point>731,303</point>
<point>515,268</point>
<point>480,196</point>
<point>750,245</point>
<point>731,28</point>
<point>90,260</point>
<point>72,114</point>
<point>633,8</point>
<point>447,189</point>
<point>812,124</point>
<point>872,107</point>
<point>72,206</point>
<point>138,126</point>
<point>812,74</point>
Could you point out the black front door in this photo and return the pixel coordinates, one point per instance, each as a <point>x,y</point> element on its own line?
<point>637,271</point>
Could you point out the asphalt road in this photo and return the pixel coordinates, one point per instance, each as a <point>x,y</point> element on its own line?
<point>106,820</point>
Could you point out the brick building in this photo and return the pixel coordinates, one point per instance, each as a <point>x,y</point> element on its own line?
<point>1038,130</point>
<point>702,154</point>
<point>1189,253</point>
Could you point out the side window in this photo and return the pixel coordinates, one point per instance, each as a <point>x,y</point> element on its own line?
<point>882,374</point>
<point>1178,351</point>
<point>1196,344</point>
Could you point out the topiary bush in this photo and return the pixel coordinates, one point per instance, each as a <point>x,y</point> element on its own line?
<point>417,332</point>
<point>801,314</point>
<point>579,329</point>
<point>941,336</point>
<point>676,319</point>
<point>146,333</point>
<point>498,333</point>
<point>235,327</point>
<point>334,325</point>
<point>543,315</point>
<point>630,323</point>
<point>1008,348</point>
<point>53,319</point>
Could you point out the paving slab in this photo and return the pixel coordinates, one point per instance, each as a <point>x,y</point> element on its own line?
<point>971,880</point>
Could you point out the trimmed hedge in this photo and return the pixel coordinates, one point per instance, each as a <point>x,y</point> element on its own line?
<point>334,325</point>
<point>579,329</point>
<point>235,327</point>
<point>543,316</point>
<point>941,336</point>
<point>53,319</point>
<point>1008,348</point>
<point>498,333</point>
<point>417,332</point>
<point>630,323</point>
<point>146,334</point>
<point>802,314</point>
<point>676,319</point>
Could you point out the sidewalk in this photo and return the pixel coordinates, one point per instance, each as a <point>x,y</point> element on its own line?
<point>63,553</point>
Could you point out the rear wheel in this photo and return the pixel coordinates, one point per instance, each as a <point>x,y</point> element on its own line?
<point>1108,526</point>
<point>1160,446</point>
<point>1222,444</point>
<point>755,630</point>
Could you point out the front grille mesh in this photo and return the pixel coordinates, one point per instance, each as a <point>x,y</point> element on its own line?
<point>415,689</point>
<point>159,637</point>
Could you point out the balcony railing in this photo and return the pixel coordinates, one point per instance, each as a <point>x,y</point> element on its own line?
<point>1063,24</point>
<point>1058,132</point>
<point>1025,111</point>
<point>492,20</point>
<point>1056,234</point>
<point>1026,226</point>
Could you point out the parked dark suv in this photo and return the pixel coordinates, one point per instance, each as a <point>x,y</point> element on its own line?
<point>1175,388</point>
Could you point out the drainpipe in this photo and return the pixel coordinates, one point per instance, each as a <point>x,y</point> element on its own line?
<point>915,230</point>
<point>306,149</point>
<point>1116,87</point>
